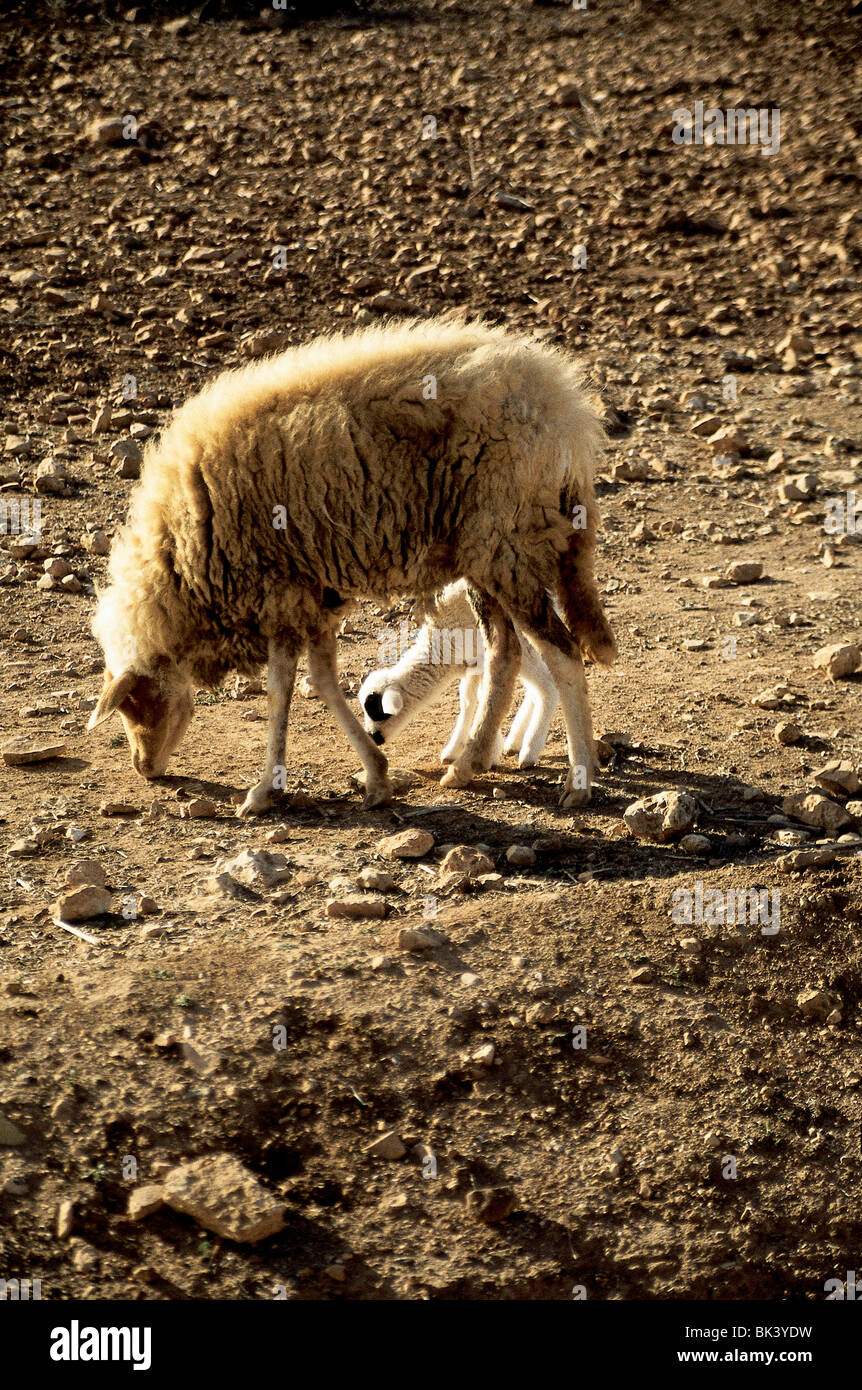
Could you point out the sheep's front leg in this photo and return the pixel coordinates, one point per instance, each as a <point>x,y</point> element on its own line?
<point>324,673</point>
<point>496,697</point>
<point>280,676</point>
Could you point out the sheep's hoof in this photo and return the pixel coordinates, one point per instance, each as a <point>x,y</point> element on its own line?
<point>458,775</point>
<point>528,759</point>
<point>380,794</point>
<point>257,803</point>
<point>575,796</point>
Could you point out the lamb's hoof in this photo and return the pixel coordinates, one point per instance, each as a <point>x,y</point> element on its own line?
<point>257,803</point>
<point>380,794</point>
<point>575,796</point>
<point>528,759</point>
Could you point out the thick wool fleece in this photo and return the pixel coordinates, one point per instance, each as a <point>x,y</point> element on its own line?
<point>389,461</point>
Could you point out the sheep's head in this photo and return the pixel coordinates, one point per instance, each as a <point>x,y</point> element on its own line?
<point>155,708</point>
<point>384,708</point>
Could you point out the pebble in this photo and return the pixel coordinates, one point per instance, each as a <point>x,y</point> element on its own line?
<point>745,572</point>
<point>407,844</point>
<point>490,1204</point>
<point>143,1201</point>
<point>695,844</point>
<point>419,939</point>
<point>521,856</point>
<point>85,871</point>
<point>127,453</point>
<point>118,808</point>
<point>815,1003</point>
<point>387,1146</point>
<point>65,1219</point>
<point>787,733</point>
<point>357,905</point>
<point>200,808</point>
<point>10,1135</point>
<point>378,879</point>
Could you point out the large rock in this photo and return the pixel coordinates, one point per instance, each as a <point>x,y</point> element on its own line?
<point>814,809</point>
<point>225,1198</point>
<point>838,778</point>
<point>83,902</point>
<point>839,659</point>
<point>662,817</point>
<point>462,865</point>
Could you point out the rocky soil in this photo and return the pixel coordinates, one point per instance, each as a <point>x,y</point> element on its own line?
<point>279,1058</point>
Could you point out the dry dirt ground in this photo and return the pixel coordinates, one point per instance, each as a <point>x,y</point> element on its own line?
<point>705,1142</point>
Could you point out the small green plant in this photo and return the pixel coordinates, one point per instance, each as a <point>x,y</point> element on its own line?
<point>184,1001</point>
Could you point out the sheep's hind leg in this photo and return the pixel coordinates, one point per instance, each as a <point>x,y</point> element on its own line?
<point>323,671</point>
<point>498,686</point>
<point>280,675</point>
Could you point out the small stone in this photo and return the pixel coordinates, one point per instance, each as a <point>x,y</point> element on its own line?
<point>128,454</point>
<point>357,905</point>
<point>143,1201</point>
<point>787,733</point>
<point>815,1004</point>
<point>52,478</point>
<point>490,1204</point>
<point>10,1135</point>
<point>65,1219</point>
<point>542,1012</point>
<point>521,856</point>
<point>224,1197</point>
<point>419,939</point>
<point>118,808</point>
<point>85,871</point>
<point>695,844</point>
<point>387,1146</point>
<point>97,543</point>
<point>378,879</point>
<point>407,844</point>
<point>745,572</point>
<point>260,868</point>
<point>806,859</point>
<point>643,975</point>
<point>484,1055</point>
<point>200,808</point>
<point>110,131</point>
<point>82,903</point>
<point>802,487</point>
<point>663,816</point>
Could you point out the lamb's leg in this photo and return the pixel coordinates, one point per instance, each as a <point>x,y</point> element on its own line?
<point>281,673</point>
<point>541,708</point>
<point>498,686</point>
<point>561,654</point>
<point>323,671</point>
<point>520,723</point>
<point>468,696</point>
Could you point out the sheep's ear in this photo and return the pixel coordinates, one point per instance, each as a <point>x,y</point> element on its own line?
<point>112,697</point>
<point>393,700</point>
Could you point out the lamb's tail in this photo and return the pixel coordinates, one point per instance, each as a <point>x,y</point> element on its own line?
<point>581,603</point>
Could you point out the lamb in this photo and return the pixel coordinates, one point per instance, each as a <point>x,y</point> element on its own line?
<point>448,648</point>
<point>387,462</point>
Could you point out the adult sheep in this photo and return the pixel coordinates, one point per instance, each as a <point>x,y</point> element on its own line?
<point>387,462</point>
